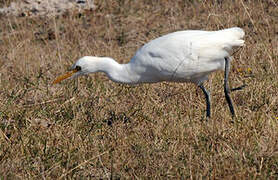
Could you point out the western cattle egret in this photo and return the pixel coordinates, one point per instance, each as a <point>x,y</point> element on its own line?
<point>183,56</point>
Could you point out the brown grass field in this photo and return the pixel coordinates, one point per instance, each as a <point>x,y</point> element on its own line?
<point>92,128</point>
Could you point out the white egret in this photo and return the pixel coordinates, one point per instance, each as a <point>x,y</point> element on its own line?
<point>183,56</point>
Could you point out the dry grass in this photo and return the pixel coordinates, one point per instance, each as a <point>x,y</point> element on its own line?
<point>93,128</point>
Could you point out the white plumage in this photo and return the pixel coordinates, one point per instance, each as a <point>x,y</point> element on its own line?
<point>183,56</point>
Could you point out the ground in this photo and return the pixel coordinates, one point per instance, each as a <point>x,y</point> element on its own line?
<point>93,128</point>
<point>43,8</point>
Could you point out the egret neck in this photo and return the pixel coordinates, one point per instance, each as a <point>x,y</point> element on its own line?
<point>119,73</point>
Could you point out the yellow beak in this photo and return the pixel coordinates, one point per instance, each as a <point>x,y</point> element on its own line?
<point>65,76</point>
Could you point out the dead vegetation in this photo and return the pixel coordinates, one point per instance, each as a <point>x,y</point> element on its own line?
<point>93,128</point>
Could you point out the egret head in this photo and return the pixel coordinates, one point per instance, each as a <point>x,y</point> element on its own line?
<point>82,66</point>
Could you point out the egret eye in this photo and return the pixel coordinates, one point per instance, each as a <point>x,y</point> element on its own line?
<point>78,68</point>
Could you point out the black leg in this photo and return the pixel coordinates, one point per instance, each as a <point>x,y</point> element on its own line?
<point>226,86</point>
<point>239,88</point>
<point>207,95</point>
